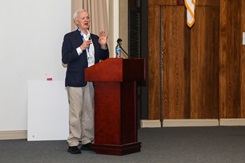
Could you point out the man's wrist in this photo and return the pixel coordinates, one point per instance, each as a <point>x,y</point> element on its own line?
<point>79,51</point>
<point>104,47</point>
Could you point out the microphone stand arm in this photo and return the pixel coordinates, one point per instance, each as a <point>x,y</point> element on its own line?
<point>123,49</point>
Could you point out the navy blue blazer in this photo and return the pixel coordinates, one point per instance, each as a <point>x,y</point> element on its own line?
<point>76,64</point>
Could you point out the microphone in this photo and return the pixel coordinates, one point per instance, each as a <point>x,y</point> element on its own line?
<point>119,40</point>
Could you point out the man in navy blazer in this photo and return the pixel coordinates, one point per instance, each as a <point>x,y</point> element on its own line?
<point>81,49</point>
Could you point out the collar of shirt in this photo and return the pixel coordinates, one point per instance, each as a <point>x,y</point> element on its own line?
<point>84,36</point>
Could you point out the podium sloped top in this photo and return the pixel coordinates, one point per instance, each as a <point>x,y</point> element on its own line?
<point>117,69</point>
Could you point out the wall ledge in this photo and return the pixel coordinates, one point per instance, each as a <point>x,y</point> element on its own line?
<point>232,122</point>
<point>193,122</point>
<point>15,134</point>
<point>190,122</point>
<point>150,123</point>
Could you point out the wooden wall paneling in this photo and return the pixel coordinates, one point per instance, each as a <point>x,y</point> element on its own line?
<point>204,63</point>
<point>208,2</point>
<point>154,55</point>
<point>164,2</point>
<point>187,70</point>
<point>230,55</point>
<point>223,98</point>
<point>242,62</point>
<point>173,70</point>
<point>189,78</point>
<point>154,62</point>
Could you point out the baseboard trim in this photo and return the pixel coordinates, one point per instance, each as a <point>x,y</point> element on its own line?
<point>232,122</point>
<point>190,122</point>
<point>17,134</point>
<point>22,134</point>
<point>193,122</point>
<point>150,123</point>
<point>179,123</point>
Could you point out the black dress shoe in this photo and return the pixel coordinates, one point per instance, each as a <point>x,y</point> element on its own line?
<point>86,147</point>
<point>74,150</point>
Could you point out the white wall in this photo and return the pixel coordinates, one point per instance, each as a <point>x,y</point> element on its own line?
<point>31,34</point>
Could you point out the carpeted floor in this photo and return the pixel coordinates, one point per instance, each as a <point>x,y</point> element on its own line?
<point>159,145</point>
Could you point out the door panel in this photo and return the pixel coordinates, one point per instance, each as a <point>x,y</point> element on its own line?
<point>204,60</point>
<point>172,61</point>
<point>154,68</point>
<point>183,62</point>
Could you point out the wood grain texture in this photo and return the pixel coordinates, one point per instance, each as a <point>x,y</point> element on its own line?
<point>183,63</point>
<point>230,59</point>
<point>242,62</point>
<point>204,56</point>
<point>204,76</point>
<point>208,2</point>
<point>172,56</point>
<point>175,2</point>
<point>154,62</point>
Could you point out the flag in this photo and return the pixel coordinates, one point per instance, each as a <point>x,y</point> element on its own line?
<point>190,6</point>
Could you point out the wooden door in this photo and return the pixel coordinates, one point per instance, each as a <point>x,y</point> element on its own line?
<point>232,65</point>
<point>183,62</point>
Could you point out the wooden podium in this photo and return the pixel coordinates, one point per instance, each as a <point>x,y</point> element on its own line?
<point>115,104</point>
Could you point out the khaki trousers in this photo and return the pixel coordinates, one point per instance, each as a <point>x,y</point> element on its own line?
<point>81,114</point>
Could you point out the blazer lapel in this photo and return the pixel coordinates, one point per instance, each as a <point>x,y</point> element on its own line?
<point>78,36</point>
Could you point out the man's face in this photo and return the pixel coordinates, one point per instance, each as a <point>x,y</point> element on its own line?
<point>82,20</point>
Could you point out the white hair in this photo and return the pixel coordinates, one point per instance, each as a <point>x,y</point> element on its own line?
<point>76,13</point>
